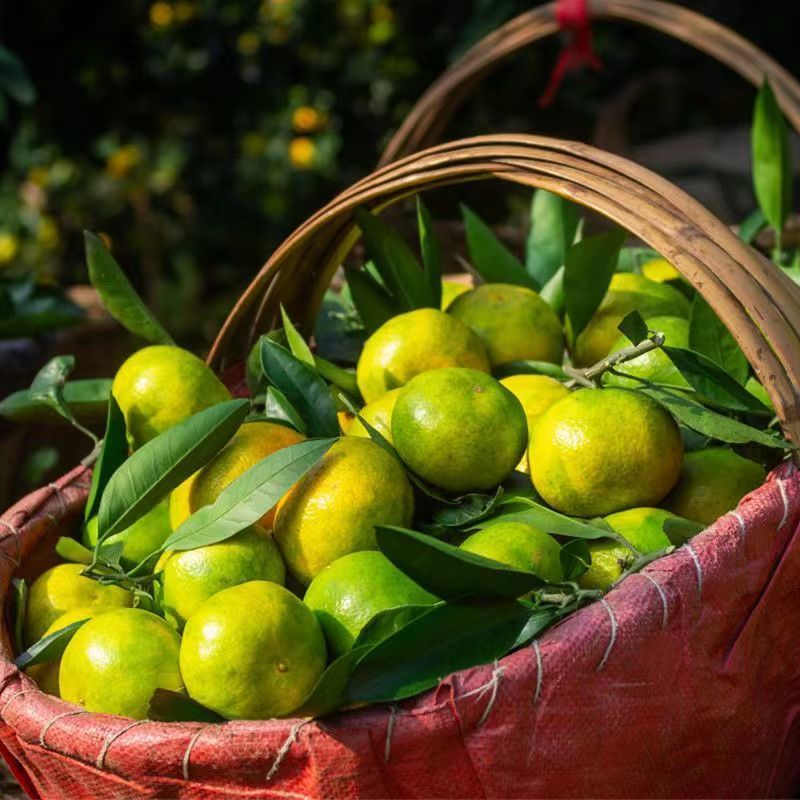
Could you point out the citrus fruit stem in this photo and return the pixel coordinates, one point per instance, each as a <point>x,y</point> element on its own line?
<point>640,562</point>
<point>590,376</point>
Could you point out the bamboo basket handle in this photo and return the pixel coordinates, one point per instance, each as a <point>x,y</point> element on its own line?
<point>425,122</point>
<point>754,299</point>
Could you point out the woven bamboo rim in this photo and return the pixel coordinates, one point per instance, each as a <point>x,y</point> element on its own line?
<point>427,120</point>
<point>759,304</point>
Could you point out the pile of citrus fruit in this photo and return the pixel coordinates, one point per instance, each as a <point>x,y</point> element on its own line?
<point>230,563</point>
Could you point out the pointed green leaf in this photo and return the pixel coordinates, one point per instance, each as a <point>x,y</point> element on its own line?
<point>163,463</point>
<point>431,254</point>
<point>372,302</point>
<point>278,408</point>
<point>554,223</point>
<point>680,530</point>
<point>772,173</point>
<point>48,385</point>
<point>634,327</point>
<point>48,648</point>
<point>113,452</point>
<point>448,571</point>
<point>329,692</point>
<point>588,269</point>
<point>86,401</point>
<point>493,260</point>
<point>752,225</point>
<point>305,390</point>
<point>530,368</point>
<point>448,638</point>
<point>537,622</point>
<point>709,337</point>
<point>398,266</point>
<point>73,551</point>
<point>20,592</point>
<point>118,295</point>
<point>388,622</point>
<point>575,559</point>
<point>244,501</point>
<point>297,344</point>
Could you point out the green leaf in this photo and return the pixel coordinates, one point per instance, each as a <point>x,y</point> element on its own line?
<point>163,463</point>
<point>48,385</point>
<point>680,530</point>
<point>544,518</point>
<point>713,383</point>
<point>278,409</point>
<point>169,706</point>
<point>297,344</point>
<point>431,254</point>
<point>466,510</point>
<point>48,648</point>
<point>20,595</point>
<point>709,337</point>
<point>634,327</point>
<point>493,260</point>
<point>530,368</point>
<point>772,169</point>
<point>448,571</point>
<point>86,400</point>
<point>73,551</point>
<point>249,497</point>
<point>752,226</point>
<point>588,268</point>
<point>344,379</point>
<point>708,423</point>
<point>537,622</point>
<point>329,692</point>
<point>118,295</point>
<point>387,623</point>
<point>14,78</point>
<point>553,292</point>
<point>113,452</point>
<point>305,390</point>
<point>554,223</point>
<point>372,302</point>
<point>448,638</point>
<point>575,559</point>
<point>396,263</point>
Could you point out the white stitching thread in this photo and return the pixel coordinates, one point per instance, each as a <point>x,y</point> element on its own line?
<point>53,721</point>
<point>494,684</point>
<point>785,498</point>
<point>663,595</point>
<point>101,756</point>
<point>387,749</point>
<point>613,638</point>
<point>539,673</point>
<point>698,568</point>
<point>742,527</point>
<point>284,748</point>
<point>11,700</point>
<point>60,497</point>
<point>15,561</point>
<point>188,752</point>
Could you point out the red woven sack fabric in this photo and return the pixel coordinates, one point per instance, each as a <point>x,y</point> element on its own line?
<point>683,682</point>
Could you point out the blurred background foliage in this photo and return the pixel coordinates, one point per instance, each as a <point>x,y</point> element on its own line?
<point>195,134</point>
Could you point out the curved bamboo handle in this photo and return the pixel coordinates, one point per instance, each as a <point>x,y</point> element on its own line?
<point>426,121</point>
<point>757,302</point>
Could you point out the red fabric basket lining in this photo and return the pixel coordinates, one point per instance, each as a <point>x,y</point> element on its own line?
<point>684,681</point>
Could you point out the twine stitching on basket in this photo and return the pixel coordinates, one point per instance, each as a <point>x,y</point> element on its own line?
<point>785,498</point>
<point>740,519</point>
<point>284,748</point>
<point>612,640</point>
<point>56,718</point>
<point>387,749</point>
<point>698,568</point>
<point>188,753</point>
<point>12,699</point>
<point>60,497</point>
<point>101,756</point>
<point>539,675</point>
<point>15,561</point>
<point>492,685</point>
<point>663,595</point>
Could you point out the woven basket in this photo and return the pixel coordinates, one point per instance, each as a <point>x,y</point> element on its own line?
<point>684,681</point>
<point>427,120</point>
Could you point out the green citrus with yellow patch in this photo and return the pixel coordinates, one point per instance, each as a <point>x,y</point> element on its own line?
<point>250,444</point>
<point>627,292</point>
<point>190,577</point>
<point>160,386</point>
<point>348,593</point>
<point>513,323</point>
<point>452,289</point>
<point>378,413</point>
<point>604,450</point>
<point>459,429</point>
<point>712,482</point>
<point>414,342</point>
<point>253,651</point>
<point>334,508</point>
<point>519,545</point>
<point>61,589</point>
<point>117,660</point>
